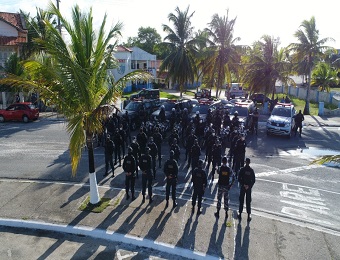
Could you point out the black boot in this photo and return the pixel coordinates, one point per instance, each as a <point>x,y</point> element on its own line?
<point>217,214</point>
<point>174,205</point>
<point>133,197</point>
<point>167,204</point>
<point>199,211</point>
<point>143,200</point>
<point>226,215</point>
<point>127,196</point>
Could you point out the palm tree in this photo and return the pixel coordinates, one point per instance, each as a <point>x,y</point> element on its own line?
<point>324,77</point>
<point>308,51</point>
<point>180,63</point>
<point>75,76</point>
<point>222,53</point>
<point>264,65</point>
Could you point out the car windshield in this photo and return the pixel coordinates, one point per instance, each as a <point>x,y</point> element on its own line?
<point>201,108</point>
<point>132,106</point>
<point>242,111</point>
<point>168,106</point>
<point>280,111</point>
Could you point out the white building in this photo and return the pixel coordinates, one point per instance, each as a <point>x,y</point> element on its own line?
<point>131,59</point>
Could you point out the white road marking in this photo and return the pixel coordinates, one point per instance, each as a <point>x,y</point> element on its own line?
<point>289,170</point>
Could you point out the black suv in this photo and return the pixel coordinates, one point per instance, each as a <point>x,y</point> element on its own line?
<point>134,107</point>
<point>259,97</point>
<point>146,94</point>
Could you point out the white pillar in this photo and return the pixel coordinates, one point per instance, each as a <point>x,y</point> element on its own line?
<point>4,100</point>
<point>94,194</point>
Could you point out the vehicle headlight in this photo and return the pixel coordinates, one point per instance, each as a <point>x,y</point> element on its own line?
<point>287,124</point>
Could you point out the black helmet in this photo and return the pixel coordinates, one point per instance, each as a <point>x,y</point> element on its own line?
<point>224,159</point>
<point>147,149</point>
<point>235,113</point>
<point>130,150</point>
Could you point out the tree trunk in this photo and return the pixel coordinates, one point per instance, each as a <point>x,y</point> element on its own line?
<point>306,109</point>
<point>94,194</point>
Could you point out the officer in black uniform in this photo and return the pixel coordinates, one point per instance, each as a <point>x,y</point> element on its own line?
<point>145,164</point>
<point>175,147</point>
<point>199,181</point>
<point>135,152</point>
<point>129,166</point>
<point>225,181</point>
<point>117,140</point>
<point>158,139</point>
<point>298,122</point>
<point>142,139</point>
<point>239,153</point>
<point>153,153</point>
<point>246,178</point>
<point>195,154</point>
<point>188,147</point>
<point>216,157</point>
<point>109,147</point>
<point>171,173</point>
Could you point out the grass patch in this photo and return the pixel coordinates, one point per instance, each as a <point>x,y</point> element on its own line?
<point>164,94</point>
<point>96,208</point>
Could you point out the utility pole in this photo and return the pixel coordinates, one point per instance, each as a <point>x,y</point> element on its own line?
<point>59,26</point>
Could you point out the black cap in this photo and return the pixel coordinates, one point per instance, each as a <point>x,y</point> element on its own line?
<point>248,160</point>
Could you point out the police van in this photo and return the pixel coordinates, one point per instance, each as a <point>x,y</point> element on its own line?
<point>281,120</point>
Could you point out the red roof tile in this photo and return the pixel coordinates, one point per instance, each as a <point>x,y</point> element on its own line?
<point>15,19</point>
<point>11,41</point>
<point>121,48</point>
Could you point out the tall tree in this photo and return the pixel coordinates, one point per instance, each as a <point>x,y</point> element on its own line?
<point>147,39</point>
<point>222,53</point>
<point>308,51</point>
<point>76,77</point>
<point>180,63</point>
<point>264,65</point>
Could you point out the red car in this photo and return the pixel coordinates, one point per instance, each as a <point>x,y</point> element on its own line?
<point>24,111</point>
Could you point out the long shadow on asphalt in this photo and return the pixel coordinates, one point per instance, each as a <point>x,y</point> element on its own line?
<point>242,245</point>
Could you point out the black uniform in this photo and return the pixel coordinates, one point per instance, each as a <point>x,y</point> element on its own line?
<point>171,172</point>
<point>225,174</point>
<point>177,151</point>
<point>129,166</point>
<point>153,153</point>
<point>145,164</point>
<point>298,122</point>
<point>199,180</point>
<point>136,153</point>
<point>142,140</point>
<point>195,155</point>
<point>117,139</point>
<point>157,137</point>
<point>239,154</point>
<point>109,148</point>
<point>246,178</point>
<point>189,143</point>
<point>216,157</point>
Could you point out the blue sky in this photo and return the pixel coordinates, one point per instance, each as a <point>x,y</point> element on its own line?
<point>254,18</point>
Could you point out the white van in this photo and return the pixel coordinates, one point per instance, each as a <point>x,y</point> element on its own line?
<point>236,90</point>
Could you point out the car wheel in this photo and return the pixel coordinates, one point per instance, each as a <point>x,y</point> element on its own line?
<point>2,119</point>
<point>25,119</point>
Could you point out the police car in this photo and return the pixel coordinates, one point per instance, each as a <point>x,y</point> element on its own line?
<point>281,120</point>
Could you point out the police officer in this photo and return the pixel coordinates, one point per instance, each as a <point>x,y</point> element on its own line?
<point>199,181</point>
<point>171,172</point>
<point>239,153</point>
<point>129,166</point>
<point>216,157</point>
<point>117,139</point>
<point>175,147</point>
<point>109,147</point>
<point>195,154</point>
<point>135,152</point>
<point>298,122</point>
<point>123,138</point>
<point>157,137</point>
<point>188,146</point>
<point>246,178</point>
<point>145,164</point>
<point>153,153</point>
<point>161,115</point>
<point>225,181</point>
<point>142,139</point>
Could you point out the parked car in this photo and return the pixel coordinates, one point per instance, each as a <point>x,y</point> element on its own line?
<point>203,93</point>
<point>168,106</point>
<point>146,94</point>
<point>134,107</point>
<point>24,111</point>
<point>244,108</point>
<point>281,120</point>
<point>259,98</point>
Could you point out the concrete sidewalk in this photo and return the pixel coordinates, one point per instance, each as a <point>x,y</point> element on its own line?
<point>172,233</point>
